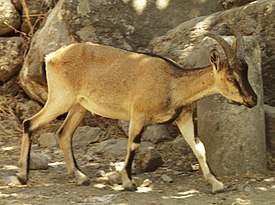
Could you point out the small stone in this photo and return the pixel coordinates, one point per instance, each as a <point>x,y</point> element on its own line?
<point>47,140</point>
<point>149,159</point>
<point>180,188</point>
<point>112,149</point>
<point>178,173</point>
<point>11,180</point>
<point>253,180</point>
<point>166,178</point>
<point>247,189</point>
<point>156,134</point>
<point>114,177</point>
<point>195,167</point>
<point>146,183</point>
<point>86,135</point>
<point>39,161</point>
<point>100,173</point>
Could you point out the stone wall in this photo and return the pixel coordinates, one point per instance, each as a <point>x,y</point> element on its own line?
<point>125,24</point>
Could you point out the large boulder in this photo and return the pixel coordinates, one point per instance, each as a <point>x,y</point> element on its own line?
<point>270,126</point>
<point>9,17</point>
<point>11,57</point>
<point>124,24</point>
<point>255,19</point>
<point>231,134</point>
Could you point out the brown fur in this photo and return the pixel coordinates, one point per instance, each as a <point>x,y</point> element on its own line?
<point>125,85</point>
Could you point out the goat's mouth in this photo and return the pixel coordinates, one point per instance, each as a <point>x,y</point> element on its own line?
<point>249,103</point>
<point>232,102</point>
<point>246,103</point>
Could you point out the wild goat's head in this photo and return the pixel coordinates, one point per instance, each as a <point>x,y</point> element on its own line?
<point>231,75</point>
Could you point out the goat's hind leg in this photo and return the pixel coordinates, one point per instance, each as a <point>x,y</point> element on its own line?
<point>65,134</point>
<point>50,111</point>
<point>186,126</point>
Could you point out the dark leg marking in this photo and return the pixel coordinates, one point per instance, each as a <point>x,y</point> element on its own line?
<point>129,164</point>
<point>29,156</point>
<point>75,163</point>
<point>26,125</point>
<point>175,116</point>
<point>137,138</point>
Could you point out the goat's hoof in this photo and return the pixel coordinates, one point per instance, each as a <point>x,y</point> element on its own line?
<point>83,181</point>
<point>21,180</point>
<point>131,188</point>
<point>219,188</point>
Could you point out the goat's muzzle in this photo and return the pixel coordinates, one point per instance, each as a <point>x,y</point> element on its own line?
<point>250,101</point>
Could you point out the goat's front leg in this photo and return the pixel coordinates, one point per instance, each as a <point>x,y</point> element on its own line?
<point>186,126</point>
<point>135,131</point>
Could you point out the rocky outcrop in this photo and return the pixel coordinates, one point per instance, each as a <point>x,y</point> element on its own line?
<point>33,16</point>
<point>243,130</point>
<point>125,25</point>
<point>11,57</point>
<point>221,124</point>
<point>9,17</point>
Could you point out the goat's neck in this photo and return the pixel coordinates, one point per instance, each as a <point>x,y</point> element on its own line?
<point>194,85</point>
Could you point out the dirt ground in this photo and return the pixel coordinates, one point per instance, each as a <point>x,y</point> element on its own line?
<point>53,186</point>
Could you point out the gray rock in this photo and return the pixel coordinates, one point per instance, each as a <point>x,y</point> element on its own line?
<point>54,34</point>
<point>148,159</point>
<point>166,178</point>
<point>112,148</point>
<point>124,126</point>
<point>114,177</point>
<point>270,126</point>
<point>11,56</point>
<point>146,183</point>
<point>39,161</point>
<point>86,135</point>
<point>178,146</point>
<point>47,140</point>
<point>11,180</point>
<point>115,149</point>
<point>10,16</point>
<point>101,200</point>
<point>27,109</point>
<point>156,134</point>
<point>232,134</point>
<point>9,126</point>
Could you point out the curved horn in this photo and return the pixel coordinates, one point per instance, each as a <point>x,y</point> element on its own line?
<point>239,49</point>
<point>225,45</point>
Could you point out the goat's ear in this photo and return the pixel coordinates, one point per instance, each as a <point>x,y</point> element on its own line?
<point>215,59</point>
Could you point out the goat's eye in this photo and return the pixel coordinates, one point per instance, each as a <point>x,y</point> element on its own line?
<point>231,79</point>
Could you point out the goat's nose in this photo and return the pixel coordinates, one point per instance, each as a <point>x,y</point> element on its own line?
<point>254,98</point>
